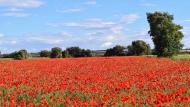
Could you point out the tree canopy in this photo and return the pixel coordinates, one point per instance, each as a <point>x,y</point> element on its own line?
<point>45,53</point>
<point>21,55</point>
<point>138,47</point>
<point>165,34</point>
<point>77,52</point>
<point>115,51</point>
<point>56,52</point>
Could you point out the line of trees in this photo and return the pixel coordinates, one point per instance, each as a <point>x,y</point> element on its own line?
<point>165,34</point>
<point>138,47</point>
<point>57,52</point>
<point>18,55</point>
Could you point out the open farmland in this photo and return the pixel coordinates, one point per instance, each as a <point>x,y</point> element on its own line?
<point>118,81</point>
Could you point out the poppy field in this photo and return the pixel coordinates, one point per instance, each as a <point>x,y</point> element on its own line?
<point>95,82</point>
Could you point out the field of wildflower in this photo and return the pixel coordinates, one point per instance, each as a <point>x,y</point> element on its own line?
<point>95,82</point>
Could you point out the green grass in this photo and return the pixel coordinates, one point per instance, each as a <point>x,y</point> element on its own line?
<point>150,56</point>
<point>31,58</point>
<point>5,59</point>
<point>175,57</point>
<point>181,57</point>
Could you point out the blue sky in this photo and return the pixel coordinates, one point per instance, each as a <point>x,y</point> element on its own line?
<point>94,24</point>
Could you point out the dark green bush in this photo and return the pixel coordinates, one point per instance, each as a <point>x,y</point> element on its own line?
<point>77,52</point>
<point>138,47</point>
<point>56,52</point>
<point>45,53</point>
<point>21,55</point>
<point>115,51</point>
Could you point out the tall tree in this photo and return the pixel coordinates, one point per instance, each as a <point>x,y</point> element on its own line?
<point>165,34</point>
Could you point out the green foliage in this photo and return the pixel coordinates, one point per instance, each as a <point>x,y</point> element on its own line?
<point>60,105</point>
<point>138,47</point>
<point>86,53</point>
<point>181,57</point>
<point>115,51</point>
<point>21,55</point>
<point>165,34</point>
<point>65,54</point>
<point>56,52</point>
<point>11,55</point>
<point>45,53</point>
<point>77,52</point>
<point>74,51</point>
<point>3,90</point>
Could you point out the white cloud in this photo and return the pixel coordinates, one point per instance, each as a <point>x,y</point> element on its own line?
<point>112,39</point>
<point>13,41</point>
<point>142,34</point>
<point>107,44</point>
<point>98,34</point>
<point>95,33</point>
<point>109,38</point>
<point>1,35</point>
<point>186,39</point>
<point>91,24</point>
<point>186,30</point>
<point>53,24</point>
<point>99,24</point>
<point>147,4</point>
<point>117,29</point>
<point>7,40</point>
<point>15,14</point>
<point>93,2</point>
<point>131,18</point>
<point>16,8</point>
<point>72,10</point>
<point>21,3</point>
<point>53,39</point>
<point>188,20</point>
<point>98,39</point>
<point>105,33</point>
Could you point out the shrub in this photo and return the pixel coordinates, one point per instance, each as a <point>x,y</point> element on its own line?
<point>11,55</point>
<point>77,52</point>
<point>115,51</point>
<point>45,53</point>
<point>86,53</point>
<point>56,52</point>
<point>74,51</point>
<point>138,47</point>
<point>65,54</point>
<point>21,55</point>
